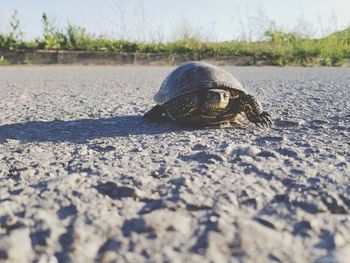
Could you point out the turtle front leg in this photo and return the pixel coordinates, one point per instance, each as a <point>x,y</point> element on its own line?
<point>253,110</point>
<point>154,114</point>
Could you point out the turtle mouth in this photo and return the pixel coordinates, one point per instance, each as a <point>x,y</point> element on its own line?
<point>216,99</point>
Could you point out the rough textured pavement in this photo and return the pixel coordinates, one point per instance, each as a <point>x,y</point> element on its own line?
<point>83,178</point>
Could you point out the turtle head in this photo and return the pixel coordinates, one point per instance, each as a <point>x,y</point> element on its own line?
<point>216,99</point>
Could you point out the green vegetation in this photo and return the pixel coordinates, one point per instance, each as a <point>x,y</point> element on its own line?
<point>2,61</point>
<point>12,40</point>
<point>279,48</point>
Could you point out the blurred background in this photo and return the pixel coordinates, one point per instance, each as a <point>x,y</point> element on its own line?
<point>159,20</point>
<point>270,28</point>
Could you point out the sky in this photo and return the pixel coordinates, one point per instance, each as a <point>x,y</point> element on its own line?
<point>163,20</point>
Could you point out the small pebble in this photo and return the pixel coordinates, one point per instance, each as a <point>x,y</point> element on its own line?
<point>213,219</point>
<point>249,151</point>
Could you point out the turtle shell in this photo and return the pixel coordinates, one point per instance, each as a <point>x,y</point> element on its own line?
<point>195,76</point>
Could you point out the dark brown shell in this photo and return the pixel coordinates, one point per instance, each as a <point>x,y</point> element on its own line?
<point>195,76</point>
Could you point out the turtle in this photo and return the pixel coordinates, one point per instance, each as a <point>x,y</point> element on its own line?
<point>198,93</point>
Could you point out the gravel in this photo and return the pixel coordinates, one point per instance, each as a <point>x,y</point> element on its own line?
<point>84,178</point>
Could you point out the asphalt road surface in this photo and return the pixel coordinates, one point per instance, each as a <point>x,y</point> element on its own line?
<point>84,178</point>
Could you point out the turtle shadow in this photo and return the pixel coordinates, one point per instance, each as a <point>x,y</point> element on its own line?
<point>81,130</point>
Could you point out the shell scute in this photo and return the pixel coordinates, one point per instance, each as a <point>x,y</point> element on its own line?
<point>195,76</point>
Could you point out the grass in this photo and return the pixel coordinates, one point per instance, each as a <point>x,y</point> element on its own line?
<point>278,48</point>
